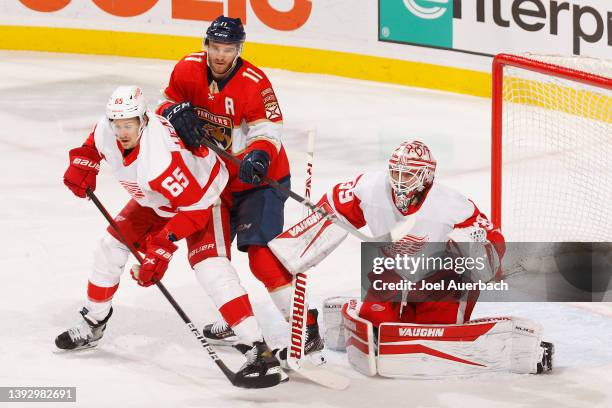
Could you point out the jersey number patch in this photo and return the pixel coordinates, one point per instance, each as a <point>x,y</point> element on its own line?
<point>176,183</point>
<point>346,192</point>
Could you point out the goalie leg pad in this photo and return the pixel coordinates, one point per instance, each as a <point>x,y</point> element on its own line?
<point>359,334</point>
<point>438,351</point>
<point>332,320</point>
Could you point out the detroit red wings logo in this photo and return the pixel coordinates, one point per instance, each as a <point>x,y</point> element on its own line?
<point>409,245</point>
<point>133,189</point>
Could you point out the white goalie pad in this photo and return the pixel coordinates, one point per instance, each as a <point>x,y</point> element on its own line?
<point>308,242</point>
<point>359,334</point>
<point>333,332</point>
<point>437,351</point>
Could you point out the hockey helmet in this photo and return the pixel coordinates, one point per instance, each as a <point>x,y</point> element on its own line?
<point>127,102</point>
<point>225,30</point>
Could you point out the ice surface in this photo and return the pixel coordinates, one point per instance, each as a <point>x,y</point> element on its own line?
<point>147,357</point>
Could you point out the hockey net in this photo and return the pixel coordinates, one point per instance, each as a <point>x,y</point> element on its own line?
<point>552,148</point>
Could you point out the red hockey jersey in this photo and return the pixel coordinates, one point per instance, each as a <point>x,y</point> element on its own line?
<point>241,112</point>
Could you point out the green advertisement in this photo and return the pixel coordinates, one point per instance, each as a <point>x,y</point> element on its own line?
<point>421,22</point>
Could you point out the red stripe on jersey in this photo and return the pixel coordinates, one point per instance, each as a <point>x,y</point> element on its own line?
<point>100,294</point>
<point>213,175</point>
<point>236,310</point>
<point>90,141</point>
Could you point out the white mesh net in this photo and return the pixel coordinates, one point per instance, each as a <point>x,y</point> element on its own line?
<point>556,154</point>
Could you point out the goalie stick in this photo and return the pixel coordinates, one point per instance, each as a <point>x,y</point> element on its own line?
<point>389,237</point>
<point>299,310</point>
<point>236,379</point>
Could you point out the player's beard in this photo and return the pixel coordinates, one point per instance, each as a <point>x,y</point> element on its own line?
<point>225,73</point>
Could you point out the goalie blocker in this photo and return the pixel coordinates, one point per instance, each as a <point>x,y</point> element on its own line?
<point>425,351</point>
<point>308,242</point>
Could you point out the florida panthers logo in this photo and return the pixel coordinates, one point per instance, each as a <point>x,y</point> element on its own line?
<point>218,126</point>
<point>219,135</point>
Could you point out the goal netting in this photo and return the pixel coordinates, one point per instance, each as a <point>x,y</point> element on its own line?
<point>552,148</point>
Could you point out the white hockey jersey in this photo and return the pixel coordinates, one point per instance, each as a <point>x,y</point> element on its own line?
<point>160,172</point>
<point>368,200</point>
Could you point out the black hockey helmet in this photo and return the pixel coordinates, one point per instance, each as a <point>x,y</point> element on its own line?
<point>225,30</point>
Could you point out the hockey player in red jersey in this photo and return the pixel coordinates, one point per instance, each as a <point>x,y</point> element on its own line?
<point>176,194</point>
<point>395,338</point>
<point>217,93</point>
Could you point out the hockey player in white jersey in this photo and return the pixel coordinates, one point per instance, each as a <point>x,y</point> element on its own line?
<point>176,194</point>
<point>384,337</point>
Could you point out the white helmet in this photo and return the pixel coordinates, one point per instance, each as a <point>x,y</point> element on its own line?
<point>411,171</point>
<point>127,102</point>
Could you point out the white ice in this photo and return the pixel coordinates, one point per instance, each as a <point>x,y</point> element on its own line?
<point>147,357</point>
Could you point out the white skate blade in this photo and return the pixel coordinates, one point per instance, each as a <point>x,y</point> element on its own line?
<point>319,374</point>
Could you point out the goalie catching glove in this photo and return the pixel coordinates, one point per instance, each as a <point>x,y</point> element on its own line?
<point>472,242</point>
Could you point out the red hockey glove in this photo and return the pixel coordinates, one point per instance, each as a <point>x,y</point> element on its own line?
<point>82,171</point>
<point>159,253</point>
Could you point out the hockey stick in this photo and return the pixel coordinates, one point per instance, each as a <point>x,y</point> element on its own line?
<point>299,308</point>
<point>302,200</point>
<point>234,378</point>
<point>299,311</point>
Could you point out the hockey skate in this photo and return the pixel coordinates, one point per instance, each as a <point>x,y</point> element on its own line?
<point>261,367</point>
<point>85,334</point>
<point>547,359</point>
<point>313,349</point>
<point>220,333</point>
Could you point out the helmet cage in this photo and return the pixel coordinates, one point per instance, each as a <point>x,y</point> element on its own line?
<point>412,177</point>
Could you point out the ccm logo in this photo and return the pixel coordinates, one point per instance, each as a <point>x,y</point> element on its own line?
<point>86,163</point>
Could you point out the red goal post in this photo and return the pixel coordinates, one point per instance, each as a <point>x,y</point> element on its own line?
<point>546,112</point>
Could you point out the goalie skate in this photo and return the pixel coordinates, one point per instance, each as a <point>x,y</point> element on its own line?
<point>85,334</point>
<point>547,359</point>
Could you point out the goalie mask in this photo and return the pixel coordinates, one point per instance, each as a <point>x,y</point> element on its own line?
<point>411,173</point>
<point>127,102</point>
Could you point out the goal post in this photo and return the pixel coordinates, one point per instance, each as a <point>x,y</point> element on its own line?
<point>551,149</point>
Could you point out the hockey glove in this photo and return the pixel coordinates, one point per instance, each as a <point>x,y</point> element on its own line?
<point>185,121</point>
<point>82,171</point>
<point>254,167</point>
<point>158,256</point>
